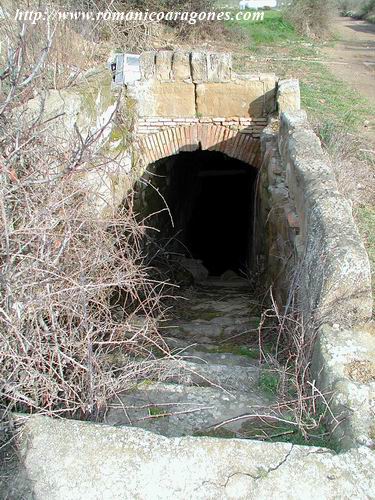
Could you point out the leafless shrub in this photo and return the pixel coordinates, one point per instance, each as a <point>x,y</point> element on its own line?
<point>62,265</point>
<point>351,7</point>
<point>301,411</point>
<point>131,36</point>
<point>77,44</point>
<point>311,18</point>
<point>199,30</point>
<point>352,159</point>
<point>367,11</point>
<point>143,35</point>
<point>301,407</point>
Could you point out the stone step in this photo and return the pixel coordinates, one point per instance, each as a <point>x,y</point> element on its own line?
<point>208,315</point>
<point>233,284</point>
<point>228,377</point>
<point>208,309</point>
<point>193,367</point>
<point>214,295</point>
<point>217,289</point>
<point>179,410</point>
<point>216,354</point>
<point>210,292</point>
<point>215,330</point>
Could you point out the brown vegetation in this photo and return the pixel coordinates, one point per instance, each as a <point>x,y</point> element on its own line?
<point>311,18</point>
<point>63,265</point>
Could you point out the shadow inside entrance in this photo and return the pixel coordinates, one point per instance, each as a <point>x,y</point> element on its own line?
<point>202,203</point>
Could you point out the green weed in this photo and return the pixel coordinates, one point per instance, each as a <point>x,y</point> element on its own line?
<point>156,411</point>
<point>269,382</point>
<point>273,29</point>
<point>284,432</point>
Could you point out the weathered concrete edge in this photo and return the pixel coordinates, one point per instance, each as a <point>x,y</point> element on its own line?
<point>337,277</point>
<point>336,281</point>
<point>65,459</point>
<point>345,371</point>
<point>288,96</point>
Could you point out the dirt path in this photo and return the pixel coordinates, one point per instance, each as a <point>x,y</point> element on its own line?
<point>355,48</point>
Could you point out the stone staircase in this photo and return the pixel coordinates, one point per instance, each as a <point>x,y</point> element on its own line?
<point>208,380</point>
<point>213,376</point>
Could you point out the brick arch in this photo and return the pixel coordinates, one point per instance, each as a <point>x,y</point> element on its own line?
<point>211,137</point>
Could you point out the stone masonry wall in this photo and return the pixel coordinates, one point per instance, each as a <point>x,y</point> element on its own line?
<point>253,126</point>
<point>336,280</point>
<point>200,84</point>
<point>310,243</point>
<point>190,100</point>
<point>206,136</point>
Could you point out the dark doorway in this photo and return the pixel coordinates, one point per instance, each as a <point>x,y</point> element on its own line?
<point>210,199</point>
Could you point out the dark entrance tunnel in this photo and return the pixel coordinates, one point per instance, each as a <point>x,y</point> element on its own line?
<point>210,200</point>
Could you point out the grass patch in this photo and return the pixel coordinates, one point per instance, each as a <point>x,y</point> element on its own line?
<point>182,311</point>
<point>365,218</point>
<point>203,314</point>
<point>272,30</point>
<point>289,434</point>
<point>240,350</point>
<point>320,438</point>
<point>277,431</point>
<point>325,97</point>
<point>146,382</point>
<point>156,411</point>
<point>269,382</point>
